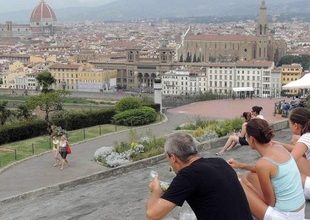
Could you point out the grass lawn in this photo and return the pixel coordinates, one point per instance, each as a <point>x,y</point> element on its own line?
<point>33,146</point>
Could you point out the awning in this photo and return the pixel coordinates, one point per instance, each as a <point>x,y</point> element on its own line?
<point>302,83</point>
<point>243,89</point>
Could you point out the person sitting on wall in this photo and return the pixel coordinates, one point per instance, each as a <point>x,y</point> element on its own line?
<point>256,112</point>
<point>237,138</point>
<point>273,184</point>
<point>209,185</point>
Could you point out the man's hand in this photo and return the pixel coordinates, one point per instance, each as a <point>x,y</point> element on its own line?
<point>155,188</point>
<point>234,163</point>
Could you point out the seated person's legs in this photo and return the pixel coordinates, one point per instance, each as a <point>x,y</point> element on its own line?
<point>231,142</point>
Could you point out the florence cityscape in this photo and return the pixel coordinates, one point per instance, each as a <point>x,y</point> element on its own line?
<point>112,79</point>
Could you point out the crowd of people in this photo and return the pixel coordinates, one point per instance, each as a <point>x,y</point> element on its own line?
<point>283,107</point>
<point>275,187</point>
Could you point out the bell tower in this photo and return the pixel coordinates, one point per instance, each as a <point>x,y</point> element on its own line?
<point>262,33</point>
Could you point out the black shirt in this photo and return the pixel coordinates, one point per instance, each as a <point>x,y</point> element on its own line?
<point>212,189</point>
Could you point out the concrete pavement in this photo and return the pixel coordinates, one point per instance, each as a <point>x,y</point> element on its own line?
<point>122,197</point>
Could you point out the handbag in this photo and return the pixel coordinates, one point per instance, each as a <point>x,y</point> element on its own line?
<point>68,149</point>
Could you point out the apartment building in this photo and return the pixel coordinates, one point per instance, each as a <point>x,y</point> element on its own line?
<point>224,78</point>
<point>178,82</point>
<point>291,73</point>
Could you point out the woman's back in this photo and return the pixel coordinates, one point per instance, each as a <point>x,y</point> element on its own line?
<point>287,185</point>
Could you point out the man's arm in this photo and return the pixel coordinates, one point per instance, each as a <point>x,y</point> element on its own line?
<point>157,208</point>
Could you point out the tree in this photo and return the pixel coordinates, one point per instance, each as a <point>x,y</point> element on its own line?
<point>45,79</point>
<point>1,81</point>
<point>48,102</point>
<point>23,111</point>
<point>304,60</point>
<point>5,113</point>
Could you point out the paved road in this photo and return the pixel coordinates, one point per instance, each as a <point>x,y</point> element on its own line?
<point>122,197</point>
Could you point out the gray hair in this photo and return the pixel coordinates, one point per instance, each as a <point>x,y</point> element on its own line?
<point>182,145</point>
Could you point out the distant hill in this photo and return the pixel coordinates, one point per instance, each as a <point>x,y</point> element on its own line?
<point>135,9</point>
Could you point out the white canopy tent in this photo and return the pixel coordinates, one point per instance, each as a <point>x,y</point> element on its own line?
<point>302,83</point>
<point>243,89</point>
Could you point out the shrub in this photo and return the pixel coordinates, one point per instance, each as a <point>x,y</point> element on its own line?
<point>134,117</point>
<point>221,128</point>
<point>128,103</point>
<point>22,130</point>
<point>198,132</point>
<point>77,120</point>
<point>156,107</point>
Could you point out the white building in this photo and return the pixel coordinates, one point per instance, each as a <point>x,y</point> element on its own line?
<point>223,77</point>
<point>183,83</point>
<point>27,82</point>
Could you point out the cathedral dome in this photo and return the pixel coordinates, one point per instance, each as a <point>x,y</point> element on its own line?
<point>43,13</point>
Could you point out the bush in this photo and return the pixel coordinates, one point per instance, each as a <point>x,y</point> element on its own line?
<point>22,130</point>
<point>221,128</point>
<point>76,120</point>
<point>128,103</point>
<point>156,107</point>
<point>135,117</point>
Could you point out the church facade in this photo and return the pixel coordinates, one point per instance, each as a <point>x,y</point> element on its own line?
<point>228,48</point>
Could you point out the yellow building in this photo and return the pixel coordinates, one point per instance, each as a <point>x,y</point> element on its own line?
<point>291,73</point>
<point>78,77</point>
<point>34,59</point>
<point>16,67</point>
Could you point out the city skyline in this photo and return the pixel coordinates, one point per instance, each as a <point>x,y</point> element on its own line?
<point>121,10</point>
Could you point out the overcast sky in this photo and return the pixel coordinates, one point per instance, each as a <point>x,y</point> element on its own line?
<point>17,5</point>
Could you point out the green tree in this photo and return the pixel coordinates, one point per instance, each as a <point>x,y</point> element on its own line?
<point>304,60</point>
<point>127,103</point>
<point>45,79</point>
<point>23,112</point>
<point>48,102</point>
<point>1,81</point>
<point>5,113</point>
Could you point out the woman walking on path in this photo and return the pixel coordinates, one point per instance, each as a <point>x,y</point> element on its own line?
<point>273,187</point>
<point>63,151</point>
<point>56,150</point>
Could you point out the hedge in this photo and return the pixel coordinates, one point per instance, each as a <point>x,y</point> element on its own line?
<point>135,117</point>
<point>156,107</point>
<point>22,130</point>
<point>127,103</point>
<point>76,120</point>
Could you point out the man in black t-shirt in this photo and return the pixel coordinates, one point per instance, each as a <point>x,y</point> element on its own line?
<point>209,185</point>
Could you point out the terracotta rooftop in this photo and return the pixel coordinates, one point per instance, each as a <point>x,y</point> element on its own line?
<point>219,37</point>
<point>64,66</point>
<point>254,63</point>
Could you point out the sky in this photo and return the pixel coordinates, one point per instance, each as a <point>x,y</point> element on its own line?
<point>18,5</point>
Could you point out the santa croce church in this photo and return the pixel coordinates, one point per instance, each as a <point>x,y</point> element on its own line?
<point>225,48</point>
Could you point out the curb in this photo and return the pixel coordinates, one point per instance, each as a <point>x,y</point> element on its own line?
<point>80,142</point>
<point>215,143</point>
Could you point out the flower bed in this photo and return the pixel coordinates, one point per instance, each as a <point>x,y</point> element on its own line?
<point>135,149</point>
